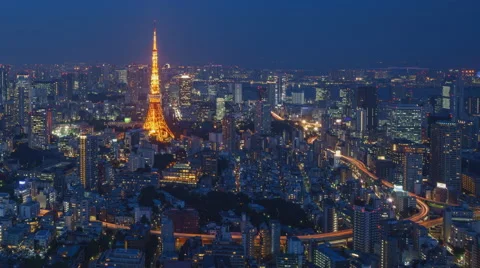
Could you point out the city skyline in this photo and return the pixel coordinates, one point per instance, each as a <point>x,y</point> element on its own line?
<point>308,35</point>
<point>229,145</point>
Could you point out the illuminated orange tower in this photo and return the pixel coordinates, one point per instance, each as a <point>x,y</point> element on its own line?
<point>155,122</point>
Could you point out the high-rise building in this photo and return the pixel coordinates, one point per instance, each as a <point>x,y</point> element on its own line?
<point>408,158</point>
<point>275,229</point>
<point>20,97</point>
<point>88,162</point>
<point>4,70</point>
<point>228,132</point>
<point>248,240</point>
<point>325,256</point>
<point>155,123</point>
<point>329,220</point>
<point>167,239</point>
<point>321,94</point>
<point>405,122</point>
<point>270,95</point>
<point>446,159</point>
<point>185,91</point>
<point>298,97</point>
<point>475,252</point>
<point>40,128</point>
<point>473,106</point>
<point>367,98</point>
<point>238,93</point>
<point>45,92</point>
<point>263,118</point>
<point>457,99</point>
<point>220,109</point>
<point>282,88</point>
<point>365,229</point>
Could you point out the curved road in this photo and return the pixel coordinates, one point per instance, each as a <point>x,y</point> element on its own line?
<point>343,234</point>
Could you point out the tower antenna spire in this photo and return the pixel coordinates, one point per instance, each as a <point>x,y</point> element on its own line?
<point>155,122</point>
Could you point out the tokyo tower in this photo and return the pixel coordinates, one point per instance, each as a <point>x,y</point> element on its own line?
<point>155,122</point>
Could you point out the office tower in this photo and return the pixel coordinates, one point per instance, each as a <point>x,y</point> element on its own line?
<point>155,123</point>
<point>263,118</point>
<point>209,163</point>
<point>446,159</point>
<point>248,240</point>
<point>346,101</point>
<point>447,92</point>
<point>367,98</point>
<point>457,99</point>
<point>468,132</point>
<point>138,80</point>
<point>365,229</point>
<point>329,220</point>
<point>275,229</point>
<point>88,162</point>
<point>408,159</point>
<point>361,121</point>
<point>282,88</point>
<point>405,122</point>
<point>4,70</point>
<point>473,106</point>
<point>121,76</point>
<point>40,129</point>
<point>167,238</point>
<point>270,94</point>
<point>212,91</point>
<point>321,94</point>
<point>298,97</point>
<point>68,81</point>
<point>220,109</point>
<point>265,241</point>
<point>475,252</point>
<point>20,96</point>
<point>185,91</point>
<point>294,246</point>
<point>228,132</point>
<point>238,93</point>
<point>45,92</point>
<point>325,256</point>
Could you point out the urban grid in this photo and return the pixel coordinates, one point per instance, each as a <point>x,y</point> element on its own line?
<point>166,165</point>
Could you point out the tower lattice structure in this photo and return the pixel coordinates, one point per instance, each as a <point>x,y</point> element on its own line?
<point>155,122</point>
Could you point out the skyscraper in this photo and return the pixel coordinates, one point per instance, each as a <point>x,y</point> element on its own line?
<point>185,91</point>
<point>330,221</point>
<point>3,83</point>
<point>20,95</point>
<point>367,98</point>
<point>220,109</point>
<point>155,122</point>
<point>228,132</point>
<point>88,161</point>
<point>167,238</point>
<point>40,128</point>
<point>238,93</point>
<point>446,159</point>
<point>275,229</point>
<point>408,159</point>
<point>365,229</point>
<point>405,122</point>
<point>263,118</point>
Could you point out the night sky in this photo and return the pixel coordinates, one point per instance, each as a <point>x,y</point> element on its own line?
<point>311,34</point>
